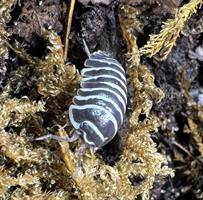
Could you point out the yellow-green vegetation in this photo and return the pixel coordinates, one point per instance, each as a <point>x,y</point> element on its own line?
<point>5,8</point>
<point>24,165</point>
<point>144,92</point>
<point>164,41</point>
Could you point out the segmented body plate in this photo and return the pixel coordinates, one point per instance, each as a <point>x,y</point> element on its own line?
<point>100,103</point>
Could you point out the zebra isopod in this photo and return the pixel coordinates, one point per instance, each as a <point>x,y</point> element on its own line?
<point>98,108</point>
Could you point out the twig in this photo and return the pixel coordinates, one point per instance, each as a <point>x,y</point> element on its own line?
<point>69,17</point>
<point>183,149</point>
<point>68,158</point>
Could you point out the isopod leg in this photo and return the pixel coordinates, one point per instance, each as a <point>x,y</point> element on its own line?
<point>73,138</point>
<point>79,154</point>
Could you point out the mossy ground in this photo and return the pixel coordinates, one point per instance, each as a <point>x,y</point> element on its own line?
<point>162,130</point>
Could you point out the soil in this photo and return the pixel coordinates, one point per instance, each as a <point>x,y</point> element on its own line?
<point>98,25</point>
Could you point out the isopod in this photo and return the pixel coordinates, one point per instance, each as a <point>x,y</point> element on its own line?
<point>98,109</point>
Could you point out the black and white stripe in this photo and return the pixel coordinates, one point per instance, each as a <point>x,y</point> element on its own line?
<point>100,104</point>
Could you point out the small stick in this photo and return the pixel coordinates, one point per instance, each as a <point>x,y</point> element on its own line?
<point>183,149</point>
<point>69,17</point>
<point>67,155</point>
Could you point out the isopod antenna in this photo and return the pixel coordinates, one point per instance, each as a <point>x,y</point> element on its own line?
<point>86,48</point>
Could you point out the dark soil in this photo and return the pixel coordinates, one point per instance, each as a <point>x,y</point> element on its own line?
<point>98,25</point>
